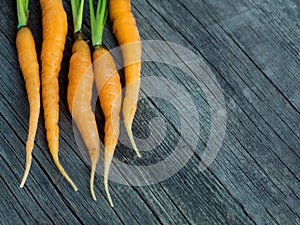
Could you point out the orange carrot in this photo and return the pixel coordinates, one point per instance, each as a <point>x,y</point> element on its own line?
<point>110,93</point>
<point>55,27</point>
<point>81,78</point>
<point>79,100</point>
<point>109,87</point>
<point>30,69</point>
<point>127,34</point>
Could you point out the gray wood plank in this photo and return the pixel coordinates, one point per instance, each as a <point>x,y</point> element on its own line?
<point>168,36</point>
<point>254,179</point>
<point>277,53</point>
<point>255,82</point>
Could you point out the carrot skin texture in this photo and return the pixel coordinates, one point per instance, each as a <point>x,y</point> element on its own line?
<point>55,27</point>
<point>81,78</point>
<point>127,34</point>
<point>30,68</point>
<point>110,95</point>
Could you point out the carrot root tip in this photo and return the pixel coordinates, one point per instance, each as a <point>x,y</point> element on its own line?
<point>92,182</point>
<point>64,173</point>
<point>107,162</point>
<point>130,135</point>
<point>138,153</point>
<point>107,191</point>
<point>27,167</point>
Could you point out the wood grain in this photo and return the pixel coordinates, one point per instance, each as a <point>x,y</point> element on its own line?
<point>252,47</point>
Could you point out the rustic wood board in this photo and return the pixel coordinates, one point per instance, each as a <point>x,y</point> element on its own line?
<point>253,49</point>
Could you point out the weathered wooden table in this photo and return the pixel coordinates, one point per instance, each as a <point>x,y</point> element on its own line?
<point>253,50</point>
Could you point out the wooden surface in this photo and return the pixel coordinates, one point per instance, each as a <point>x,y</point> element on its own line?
<point>252,47</point>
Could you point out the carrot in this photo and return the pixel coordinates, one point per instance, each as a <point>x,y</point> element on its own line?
<point>109,87</point>
<point>108,82</point>
<point>55,27</point>
<point>81,78</point>
<point>30,69</point>
<point>127,34</point>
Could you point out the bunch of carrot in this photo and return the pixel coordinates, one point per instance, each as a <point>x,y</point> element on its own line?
<point>81,76</point>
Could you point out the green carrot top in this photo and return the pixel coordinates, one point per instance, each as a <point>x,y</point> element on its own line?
<point>22,10</point>
<point>98,21</point>
<point>77,12</point>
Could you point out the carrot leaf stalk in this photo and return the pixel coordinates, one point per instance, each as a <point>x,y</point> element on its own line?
<point>98,21</point>
<point>77,11</point>
<point>22,11</point>
<point>30,68</point>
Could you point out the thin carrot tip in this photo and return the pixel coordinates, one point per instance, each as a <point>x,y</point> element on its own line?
<point>107,192</point>
<point>64,173</point>
<point>23,182</point>
<point>130,135</point>
<point>93,195</point>
<point>137,151</point>
<point>27,168</point>
<point>135,147</point>
<point>72,184</point>
<point>92,182</point>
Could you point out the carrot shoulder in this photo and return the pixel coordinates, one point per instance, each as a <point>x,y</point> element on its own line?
<point>54,21</point>
<point>126,32</point>
<point>30,69</point>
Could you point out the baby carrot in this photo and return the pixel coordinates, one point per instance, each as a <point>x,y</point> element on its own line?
<point>55,27</point>
<point>109,87</point>
<point>108,82</point>
<point>30,69</point>
<point>127,34</point>
<point>81,78</point>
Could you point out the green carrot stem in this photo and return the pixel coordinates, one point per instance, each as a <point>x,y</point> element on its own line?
<point>98,21</point>
<point>77,12</point>
<point>22,11</point>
